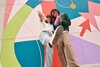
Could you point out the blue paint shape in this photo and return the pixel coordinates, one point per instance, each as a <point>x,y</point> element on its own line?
<point>33,3</point>
<point>64,7</point>
<point>96,1</point>
<point>28,54</point>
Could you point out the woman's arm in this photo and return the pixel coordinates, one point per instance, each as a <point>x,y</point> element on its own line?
<point>41,16</point>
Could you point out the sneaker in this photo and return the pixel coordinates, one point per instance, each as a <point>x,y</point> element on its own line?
<point>50,45</point>
<point>57,33</point>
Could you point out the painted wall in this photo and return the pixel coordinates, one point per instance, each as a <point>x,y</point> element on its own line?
<point>20,27</point>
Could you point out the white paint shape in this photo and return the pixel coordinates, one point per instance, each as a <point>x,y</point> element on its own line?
<point>93,37</point>
<point>74,28</point>
<point>0,65</point>
<point>31,28</point>
<point>2,13</point>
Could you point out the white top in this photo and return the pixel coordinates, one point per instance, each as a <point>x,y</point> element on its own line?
<point>47,27</point>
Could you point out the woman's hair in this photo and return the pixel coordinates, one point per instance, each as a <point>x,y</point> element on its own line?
<point>52,11</point>
<point>48,16</point>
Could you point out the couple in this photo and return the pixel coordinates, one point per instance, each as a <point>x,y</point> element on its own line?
<point>55,32</point>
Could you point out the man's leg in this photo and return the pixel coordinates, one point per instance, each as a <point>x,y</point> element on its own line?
<point>69,51</point>
<point>55,36</point>
<point>61,53</point>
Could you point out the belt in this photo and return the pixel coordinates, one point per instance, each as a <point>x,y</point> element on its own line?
<point>49,33</point>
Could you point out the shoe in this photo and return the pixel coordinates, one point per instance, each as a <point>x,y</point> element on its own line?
<point>50,45</point>
<point>57,33</point>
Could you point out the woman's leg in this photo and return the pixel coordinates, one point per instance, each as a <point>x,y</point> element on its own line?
<point>49,57</point>
<point>44,37</point>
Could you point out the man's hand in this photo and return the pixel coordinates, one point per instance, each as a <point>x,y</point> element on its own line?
<point>60,19</point>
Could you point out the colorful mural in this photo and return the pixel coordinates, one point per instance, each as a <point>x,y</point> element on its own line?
<point>20,28</point>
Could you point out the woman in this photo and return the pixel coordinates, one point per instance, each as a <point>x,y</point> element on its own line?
<point>45,36</point>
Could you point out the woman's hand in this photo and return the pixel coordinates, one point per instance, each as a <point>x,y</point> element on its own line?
<point>40,16</point>
<point>59,18</point>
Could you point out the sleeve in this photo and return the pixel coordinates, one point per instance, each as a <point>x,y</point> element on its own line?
<point>56,23</point>
<point>44,24</point>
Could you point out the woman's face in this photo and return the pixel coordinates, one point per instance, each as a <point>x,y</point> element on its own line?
<point>55,14</point>
<point>48,20</point>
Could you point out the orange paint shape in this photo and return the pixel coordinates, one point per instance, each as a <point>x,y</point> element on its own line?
<point>56,60</point>
<point>47,7</point>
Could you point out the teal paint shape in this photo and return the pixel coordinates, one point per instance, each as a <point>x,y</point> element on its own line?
<point>28,53</point>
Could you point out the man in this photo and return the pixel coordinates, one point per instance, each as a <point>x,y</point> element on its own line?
<point>63,41</point>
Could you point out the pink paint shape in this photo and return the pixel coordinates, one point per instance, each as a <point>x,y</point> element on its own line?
<point>9,5</point>
<point>94,8</point>
<point>91,18</point>
<point>93,11</point>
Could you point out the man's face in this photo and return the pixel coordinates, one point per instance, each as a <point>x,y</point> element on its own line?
<point>55,14</point>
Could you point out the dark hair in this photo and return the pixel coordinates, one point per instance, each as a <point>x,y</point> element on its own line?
<point>52,11</point>
<point>48,16</point>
